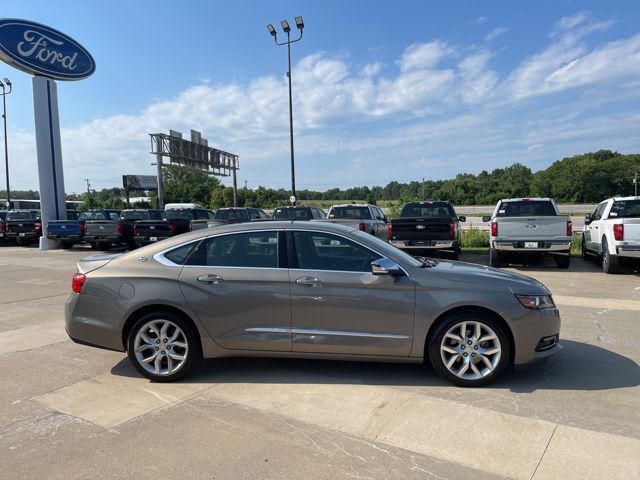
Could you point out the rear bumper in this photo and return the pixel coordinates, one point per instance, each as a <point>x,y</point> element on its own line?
<point>141,241</point>
<point>66,237</point>
<point>427,245</point>
<point>102,238</point>
<point>555,246</point>
<point>16,235</point>
<point>84,325</point>
<point>628,252</point>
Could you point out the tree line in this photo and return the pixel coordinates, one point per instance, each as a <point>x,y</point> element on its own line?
<point>586,178</point>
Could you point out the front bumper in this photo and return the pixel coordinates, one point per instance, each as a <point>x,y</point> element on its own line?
<point>530,329</point>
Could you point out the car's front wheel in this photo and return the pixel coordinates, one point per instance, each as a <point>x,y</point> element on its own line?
<point>162,346</point>
<point>469,348</point>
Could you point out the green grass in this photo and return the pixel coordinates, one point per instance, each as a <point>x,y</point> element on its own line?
<point>576,245</point>
<point>474,238</point>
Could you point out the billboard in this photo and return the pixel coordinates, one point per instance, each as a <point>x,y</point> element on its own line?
<point>140,182</point>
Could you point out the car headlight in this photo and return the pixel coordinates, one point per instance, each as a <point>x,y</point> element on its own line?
<point>536,302</point>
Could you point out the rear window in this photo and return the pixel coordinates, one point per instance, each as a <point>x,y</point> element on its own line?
<point>72,215</point>
<point>134,215</point>
<point>178,214</point>
<point>235,214</point>
<point>527,209</point>
<point>20,216</point>
<point>350,213</point>
<point>625,209</point>
<point>431,209</point>
<point>292,213</point>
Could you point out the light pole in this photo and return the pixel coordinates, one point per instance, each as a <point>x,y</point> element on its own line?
<point>287,29</point>
<point>4,116</point>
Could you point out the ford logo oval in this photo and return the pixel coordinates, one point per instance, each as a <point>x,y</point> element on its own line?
<point>420,227</point>
<point>40,50</point>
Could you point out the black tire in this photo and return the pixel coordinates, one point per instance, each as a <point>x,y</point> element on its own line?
<point>494,258</point>
<point>94,246</point>
<point>454,254</point>
<point>585,255</point>
<point>19,242</point>
<point>193,352</point>
<point>436,338</point>
<point>66,245</point>
<point>563,261</point>
<point>105,246</point>
<point>610,263</point>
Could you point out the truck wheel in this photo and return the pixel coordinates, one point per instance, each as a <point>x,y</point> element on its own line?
<point>19,242</point>
<point>66,245</point>
<point>563,261</point>
<point>94,246</point>
<point>494,258</point>
<point>610,263</point>
<point>584,254</point>
<point>455,254</point>
<point>106,246</point>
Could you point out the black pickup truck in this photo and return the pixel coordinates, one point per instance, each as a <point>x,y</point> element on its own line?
<point>173,222</point>
<point>117,230</point>
<point>22,226</point>
<point>425,227</point>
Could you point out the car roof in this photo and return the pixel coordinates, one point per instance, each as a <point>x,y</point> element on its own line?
<point>530,199</point>
<point>351,205</point>
<point>617,199</point>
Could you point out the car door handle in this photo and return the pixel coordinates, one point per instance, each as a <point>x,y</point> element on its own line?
<point>210,279</point>
<point>309,281</point>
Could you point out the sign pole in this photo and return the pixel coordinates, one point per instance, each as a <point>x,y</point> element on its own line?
<point>48,146</point>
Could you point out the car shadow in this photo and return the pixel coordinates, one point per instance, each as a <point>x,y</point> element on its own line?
<point>580,366</point>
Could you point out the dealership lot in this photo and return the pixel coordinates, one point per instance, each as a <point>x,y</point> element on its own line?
<point>70,411</point>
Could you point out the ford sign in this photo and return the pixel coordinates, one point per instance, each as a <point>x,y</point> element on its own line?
<point>41,50</point>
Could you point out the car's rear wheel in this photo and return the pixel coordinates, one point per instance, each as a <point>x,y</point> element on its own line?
<point>469,348</point>
<point>610,263</point>
<point>162,346</point>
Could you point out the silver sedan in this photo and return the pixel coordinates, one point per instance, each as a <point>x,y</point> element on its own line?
<point>307,290</point>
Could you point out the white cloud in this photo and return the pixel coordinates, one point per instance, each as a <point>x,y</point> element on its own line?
<point>496,32</point>
<point>424,55</point>
<point>371,69</point>
<point>481,20</point>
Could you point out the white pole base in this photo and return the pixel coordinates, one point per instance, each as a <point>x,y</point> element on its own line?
<point>47,244</point>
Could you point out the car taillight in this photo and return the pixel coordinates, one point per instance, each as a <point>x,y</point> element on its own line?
<point>452,229</point>
<point>389,230</point>
<point>494,229</point>
<point>78,282</point>
<point>121,228</point>
<point>37,225</point>
<point>83,228</point>
<point>173,229</point>
<point>569,228</point>
<point>618,232</point>
<point>5,227</point>
<point>362,227</point>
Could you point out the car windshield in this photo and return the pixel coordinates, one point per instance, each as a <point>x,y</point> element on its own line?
<point>427,209</point>
<point>292,213</point>
<point>625,209</point>
<point>388,250</point>
<point>350,213</point>
<point>527,208</point>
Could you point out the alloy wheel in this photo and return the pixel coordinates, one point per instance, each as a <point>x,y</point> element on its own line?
<point>470,350</point>
<point>161,347</point>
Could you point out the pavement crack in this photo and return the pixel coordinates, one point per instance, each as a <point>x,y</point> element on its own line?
<point>545,451</point>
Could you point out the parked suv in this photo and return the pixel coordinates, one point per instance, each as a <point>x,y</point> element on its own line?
<point>298,212</point>
<point>612,232</point>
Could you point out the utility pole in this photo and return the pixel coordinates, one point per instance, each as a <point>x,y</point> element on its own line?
<point>635,183</point>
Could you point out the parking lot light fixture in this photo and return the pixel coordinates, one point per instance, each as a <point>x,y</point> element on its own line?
<point>7,83</point>
<point>287,29</point>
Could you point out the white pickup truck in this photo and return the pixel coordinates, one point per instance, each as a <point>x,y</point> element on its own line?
<point>529,226</point>
<point>612,232</point>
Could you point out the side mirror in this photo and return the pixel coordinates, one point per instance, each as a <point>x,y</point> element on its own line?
<point>385,266</point>
<point>486,218</point>
<point>462,218</point>
<point>587,219</point>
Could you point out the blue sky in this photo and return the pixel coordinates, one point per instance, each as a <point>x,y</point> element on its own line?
<point>383,90</point>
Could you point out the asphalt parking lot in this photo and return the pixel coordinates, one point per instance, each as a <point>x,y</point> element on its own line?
<point>69,411</point>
